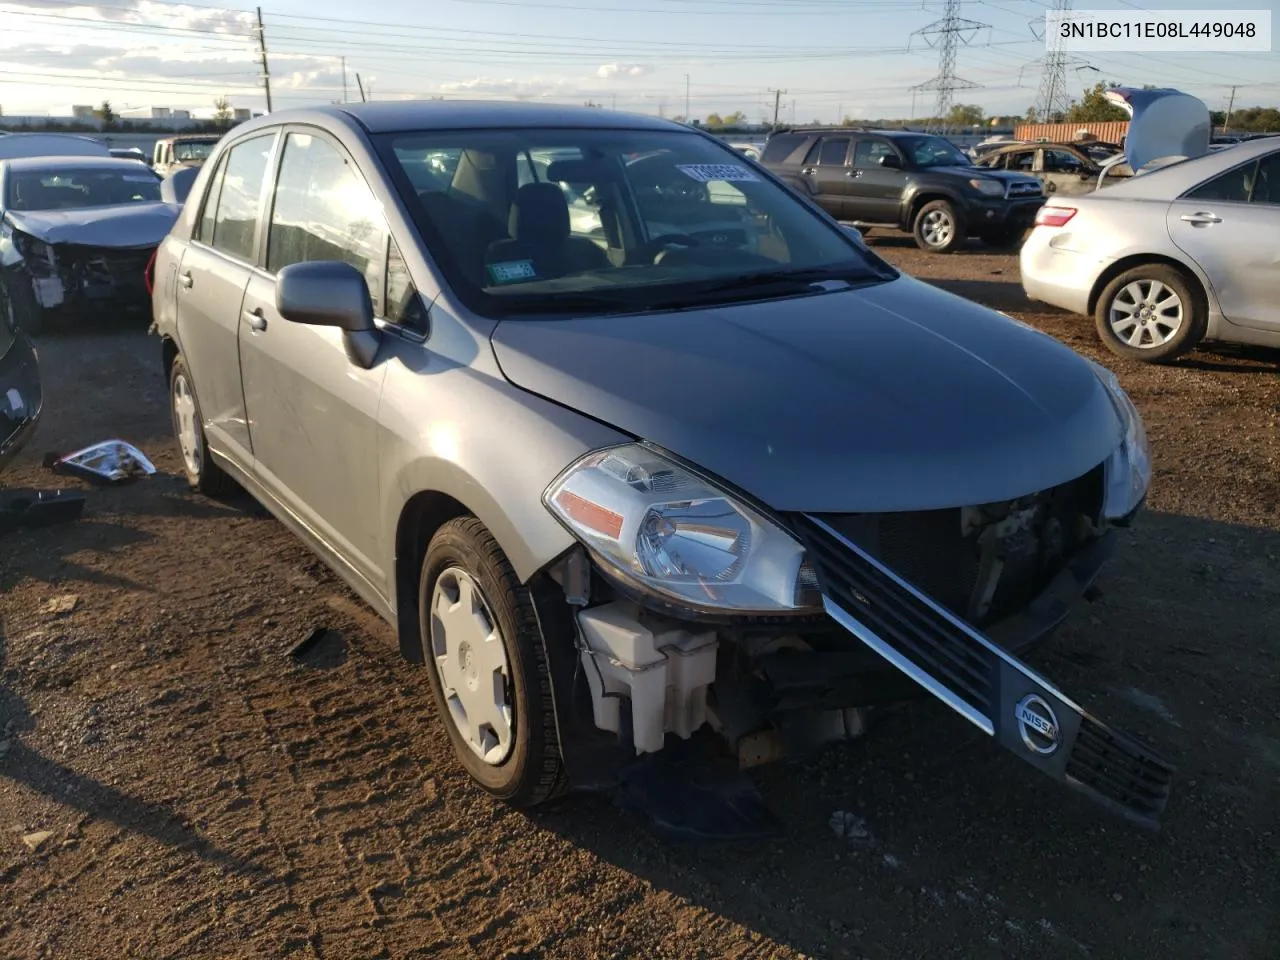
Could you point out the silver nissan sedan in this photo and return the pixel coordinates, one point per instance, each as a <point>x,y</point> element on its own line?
<point>698,476</point>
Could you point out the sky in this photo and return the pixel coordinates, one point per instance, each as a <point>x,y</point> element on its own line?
<point>831,58</point>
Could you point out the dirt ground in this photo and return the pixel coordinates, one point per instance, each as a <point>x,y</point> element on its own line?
<point>205,795</point>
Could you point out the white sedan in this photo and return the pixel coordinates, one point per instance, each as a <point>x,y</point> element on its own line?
<point>1184,253</point>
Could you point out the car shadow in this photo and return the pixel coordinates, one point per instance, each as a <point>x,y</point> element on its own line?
<point>945,809</point>
<point>24,766</point>
<point>47,553</point>
<point>1232,358</point>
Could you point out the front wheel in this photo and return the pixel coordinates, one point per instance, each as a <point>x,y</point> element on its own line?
<point>487,665</point>
<point>1150,313</point>
<point>937,227</point>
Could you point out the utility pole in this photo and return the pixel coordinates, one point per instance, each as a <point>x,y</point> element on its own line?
<point>262,47</point>
<point>777,105</point>
<point>793,112</point>
<point>686,98</point>
<point>360,87</point>
<point>344,79</point>
<point>1226,121</point>
<point>948,34</point>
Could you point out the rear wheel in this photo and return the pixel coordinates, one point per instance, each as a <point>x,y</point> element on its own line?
<point>202,473</point>
<point>487,666</point>
<point>1150,313</point>
<point>937,227</point>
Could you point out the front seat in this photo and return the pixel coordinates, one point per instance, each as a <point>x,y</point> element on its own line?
<point>539,233</point>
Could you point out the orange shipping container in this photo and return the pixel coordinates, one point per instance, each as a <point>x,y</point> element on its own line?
<point>1109,131</point>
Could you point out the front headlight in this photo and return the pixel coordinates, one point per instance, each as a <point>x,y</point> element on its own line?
<point>992,188</point>
<point>1128,469</point>
<point>668,531</point>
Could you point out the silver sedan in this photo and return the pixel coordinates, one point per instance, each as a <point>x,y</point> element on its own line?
<point>1170,258</point>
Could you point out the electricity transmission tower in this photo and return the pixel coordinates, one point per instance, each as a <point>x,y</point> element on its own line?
<point>1054,99</point>
<point>948,34</point>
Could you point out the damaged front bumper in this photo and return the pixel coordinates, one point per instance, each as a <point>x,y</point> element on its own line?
<point>60,279</point>
<point>631,686</point>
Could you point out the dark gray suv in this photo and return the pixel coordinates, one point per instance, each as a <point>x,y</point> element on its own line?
<point>907,181</point>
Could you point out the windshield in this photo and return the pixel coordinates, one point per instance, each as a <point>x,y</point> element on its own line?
<point>530,221</point>
<point>935,152</point>
<point>69,189</point>
<point>189,150</point>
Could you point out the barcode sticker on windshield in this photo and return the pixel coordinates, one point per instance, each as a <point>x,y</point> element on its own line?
<point>726,172</point>
<point>512,271</point>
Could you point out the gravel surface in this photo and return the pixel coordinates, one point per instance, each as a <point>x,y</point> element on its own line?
<point>173,784</point>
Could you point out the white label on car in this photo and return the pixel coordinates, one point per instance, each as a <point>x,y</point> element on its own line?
<point>49,291</point>
<point>132,178</point>
<point>512,271</point>
<point>16,406</point>
<point>727,172</point>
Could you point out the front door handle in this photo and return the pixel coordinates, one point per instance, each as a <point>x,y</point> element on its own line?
<point>809,171</point>
<point>257,321</point>
<point>1200,219</point>
<point>186,280</point>
<point>853,173</point>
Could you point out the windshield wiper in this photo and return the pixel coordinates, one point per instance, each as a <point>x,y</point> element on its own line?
<point>747,286</point>
<point>545,303</point>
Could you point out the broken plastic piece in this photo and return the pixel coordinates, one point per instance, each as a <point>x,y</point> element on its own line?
<point>112,461</point>
<point>38,508</point>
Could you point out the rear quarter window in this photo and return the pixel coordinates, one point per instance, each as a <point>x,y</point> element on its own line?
<point>780,147</point>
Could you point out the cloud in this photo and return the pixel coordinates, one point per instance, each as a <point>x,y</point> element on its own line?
<point>609,71</point>
<point>511,88</point>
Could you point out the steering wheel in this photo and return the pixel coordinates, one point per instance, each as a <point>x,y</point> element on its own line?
<point>657,244</point>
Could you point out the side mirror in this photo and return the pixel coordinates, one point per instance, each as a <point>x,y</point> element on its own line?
<point>324,293</point>
<point>891,161</point>
<point>330,293</point>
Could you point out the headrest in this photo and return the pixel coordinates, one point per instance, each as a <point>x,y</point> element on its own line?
<point>540,212</point>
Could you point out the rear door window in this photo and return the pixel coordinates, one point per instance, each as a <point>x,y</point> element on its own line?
<point>834,151</point>
<point>1234,186</point>
<point>240,197</point>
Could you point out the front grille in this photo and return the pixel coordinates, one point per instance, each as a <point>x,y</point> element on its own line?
<point>1118,771</point>
<point>104,273</point>
<point>978,679</point>
<point>1025,189</point>
<point>939,553</point>
<point>924,636</point>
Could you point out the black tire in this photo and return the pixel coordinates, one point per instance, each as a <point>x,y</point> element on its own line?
<point>1004,239</point>
<point>925,220</point>
<point>533,771</point>
<point>1189,332</point>
<point>21,300</point>
<point>203,475</point>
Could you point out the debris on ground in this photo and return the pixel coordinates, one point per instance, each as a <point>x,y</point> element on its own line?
<point>850,827</point>
<point>35,841</point>
<point>112,461</point>
<point>38,508</point>
<point>62,604</point>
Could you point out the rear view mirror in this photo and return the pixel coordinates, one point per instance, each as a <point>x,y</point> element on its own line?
<point>324,293</point>
<point>891,161</point>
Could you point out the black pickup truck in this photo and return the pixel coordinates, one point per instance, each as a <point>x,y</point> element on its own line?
<point>907,181</point>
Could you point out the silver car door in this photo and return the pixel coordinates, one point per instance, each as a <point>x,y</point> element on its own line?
<point>210,286</point>
<point>1229,225</point>
<point>312,412</point>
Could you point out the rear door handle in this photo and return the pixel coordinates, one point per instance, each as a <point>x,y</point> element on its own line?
<point>809,171</point>
<point>1200,219</point>
<point>186,280</point>
<point>257,321</point>
<point>853,173</point>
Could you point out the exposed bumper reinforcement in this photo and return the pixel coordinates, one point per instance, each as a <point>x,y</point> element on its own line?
<point>982,681</point>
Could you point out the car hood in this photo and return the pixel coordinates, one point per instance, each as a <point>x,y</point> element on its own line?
<point>135,225</point>
<point>893,397</point>
<point>1004,176</point>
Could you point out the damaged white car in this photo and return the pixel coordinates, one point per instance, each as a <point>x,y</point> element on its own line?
<point>77,234</point>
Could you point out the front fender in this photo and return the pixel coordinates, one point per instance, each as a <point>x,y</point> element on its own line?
<point>915,191</point>
<point>487,444</point>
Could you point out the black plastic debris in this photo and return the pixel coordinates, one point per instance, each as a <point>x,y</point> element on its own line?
<point>106,463</point>
<point>322,649</point>
<point>30,509</point>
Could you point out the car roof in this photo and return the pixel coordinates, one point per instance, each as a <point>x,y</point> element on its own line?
<point>402,116</point>
<point>22,164</point>
<point>215,137</point>
<point>842,130</point>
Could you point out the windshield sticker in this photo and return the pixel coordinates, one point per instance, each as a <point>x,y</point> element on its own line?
<point>727,172</point>
<point>138,178</point>
<point>512,271</point>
